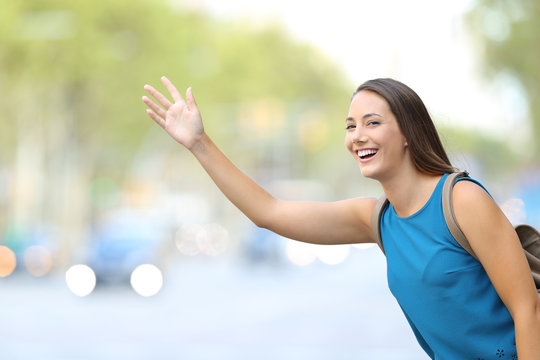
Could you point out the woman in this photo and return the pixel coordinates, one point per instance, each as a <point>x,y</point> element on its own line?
<point>458,308</point>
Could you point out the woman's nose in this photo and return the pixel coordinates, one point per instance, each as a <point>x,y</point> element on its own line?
<point>359,137</point>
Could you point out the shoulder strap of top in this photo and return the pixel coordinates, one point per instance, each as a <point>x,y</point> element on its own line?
<point>449,215</point>
<point>376,220</point>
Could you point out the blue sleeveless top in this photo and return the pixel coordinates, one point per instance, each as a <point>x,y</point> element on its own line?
<point>445,294</point>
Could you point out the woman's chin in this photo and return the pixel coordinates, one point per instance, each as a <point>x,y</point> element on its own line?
<point>367,172</point>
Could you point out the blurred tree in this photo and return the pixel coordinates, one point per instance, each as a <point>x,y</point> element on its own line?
<point>510,35</point>
<point>480,154</point>
<point>98,56</point>
<point>72,79</point>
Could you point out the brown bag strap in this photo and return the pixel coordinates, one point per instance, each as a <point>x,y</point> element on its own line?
<point>449,215</point>
<point>375,220</point>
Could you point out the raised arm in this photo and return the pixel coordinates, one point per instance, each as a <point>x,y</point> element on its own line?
<point>339,222</point>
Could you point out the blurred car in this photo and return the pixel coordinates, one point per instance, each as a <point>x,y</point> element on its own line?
<point>123,240</point>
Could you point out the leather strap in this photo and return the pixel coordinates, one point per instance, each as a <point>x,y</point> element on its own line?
<point>449,215</point>
<point>375,220</point>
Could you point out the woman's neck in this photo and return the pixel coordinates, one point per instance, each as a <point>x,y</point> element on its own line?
<point>409,192</point>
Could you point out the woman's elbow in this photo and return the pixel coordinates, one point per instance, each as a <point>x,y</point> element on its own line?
<point>261,223</point>
<point>529,310</point>
<point>269,218</point>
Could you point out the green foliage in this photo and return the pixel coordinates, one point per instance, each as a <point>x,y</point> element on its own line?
<point>85,63</point>
<point>509,32</point>
<point>495,156</point>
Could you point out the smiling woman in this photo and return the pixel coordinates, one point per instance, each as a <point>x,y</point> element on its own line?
<point>392,137</point>
<point>427,152</point>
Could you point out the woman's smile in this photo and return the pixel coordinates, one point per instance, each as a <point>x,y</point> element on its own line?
<point>365,155</point>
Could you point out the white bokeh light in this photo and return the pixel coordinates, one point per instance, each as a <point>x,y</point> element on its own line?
<point>187,239</point>
<point>208,239</point>
<point>81,279</point>
<point>333,254</point>
<point>146,280</point>
<point>300,253</point>
<point>215,241</point>
<point>364,246</point>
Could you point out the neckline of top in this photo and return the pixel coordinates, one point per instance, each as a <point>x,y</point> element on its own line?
<point>439,184</point>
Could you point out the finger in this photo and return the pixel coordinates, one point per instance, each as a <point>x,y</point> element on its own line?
<point>172,89</point>
<point>190,99</point>
<point>154,107</point>
<point>156,118</point>
<point>158,96</point>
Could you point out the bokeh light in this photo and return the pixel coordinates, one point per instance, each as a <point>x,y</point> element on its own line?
<point>8,261</point>
<point>514,209</point>
<point>333,254</point>
<point>313,131</point>
<point>38,260</point>
<point>264,119</point>
<point>364,246</point>
<point>214,241</point>
<point>186,239</point>
<point>146,280</point>
<point>300,253</point>
<point>81,279</point>
<point>208,239</point>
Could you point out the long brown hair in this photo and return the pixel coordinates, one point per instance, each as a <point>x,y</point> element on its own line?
<point>427,153</point>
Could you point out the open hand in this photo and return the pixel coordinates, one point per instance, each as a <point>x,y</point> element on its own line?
<point>181,119</point>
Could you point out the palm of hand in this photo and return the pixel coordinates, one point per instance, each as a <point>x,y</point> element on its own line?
<point>181,119</point>
<point>183,124</point>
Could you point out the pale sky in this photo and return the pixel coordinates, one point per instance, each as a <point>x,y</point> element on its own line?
<point>423,43</point>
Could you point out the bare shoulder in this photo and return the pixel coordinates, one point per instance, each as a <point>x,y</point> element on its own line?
<point>468,196</point>
<point>479,216</point>
<point>468,188</point>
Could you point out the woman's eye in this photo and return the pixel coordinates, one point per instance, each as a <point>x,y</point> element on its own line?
<point>373,122</point>
<point>348,127</point>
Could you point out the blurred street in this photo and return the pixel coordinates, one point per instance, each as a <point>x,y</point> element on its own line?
<point>213,308</point>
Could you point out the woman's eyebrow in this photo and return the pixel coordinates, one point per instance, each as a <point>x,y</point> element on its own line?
<point>350,118</point>
<point>370,115</point>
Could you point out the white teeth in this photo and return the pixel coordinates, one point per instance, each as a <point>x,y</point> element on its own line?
<point>363,153</point>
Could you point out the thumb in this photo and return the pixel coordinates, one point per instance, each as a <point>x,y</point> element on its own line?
<point>190,100</point>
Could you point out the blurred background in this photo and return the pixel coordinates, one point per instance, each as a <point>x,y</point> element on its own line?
<point>114,244</point>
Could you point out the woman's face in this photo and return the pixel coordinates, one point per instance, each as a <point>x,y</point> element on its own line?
<point>374,138</point>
